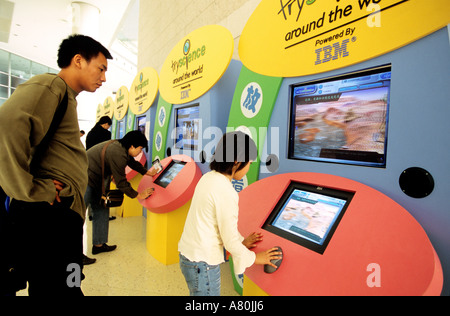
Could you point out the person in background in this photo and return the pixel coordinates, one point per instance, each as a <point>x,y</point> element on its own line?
<point>47,210</point>
<point>82,133</point>
<point>212,221</point>
<point>99,133</point>
<point>119,155</point>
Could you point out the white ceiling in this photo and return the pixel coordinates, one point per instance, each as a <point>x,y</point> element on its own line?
<point>38,27</point>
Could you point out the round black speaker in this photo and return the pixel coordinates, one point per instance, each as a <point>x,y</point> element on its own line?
<point>416,182</point>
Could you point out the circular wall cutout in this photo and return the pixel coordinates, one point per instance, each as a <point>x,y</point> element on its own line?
<point>416,182</point>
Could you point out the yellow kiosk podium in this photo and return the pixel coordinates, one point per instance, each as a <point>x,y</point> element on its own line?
<point>169,205</point>
<point>131,207</point>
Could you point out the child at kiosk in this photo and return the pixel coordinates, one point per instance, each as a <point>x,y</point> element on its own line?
<point>212,222</point>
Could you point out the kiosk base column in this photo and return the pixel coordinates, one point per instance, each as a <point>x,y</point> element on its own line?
<point>251,289</point>
<point>132,207</point>
<point>164,232</point>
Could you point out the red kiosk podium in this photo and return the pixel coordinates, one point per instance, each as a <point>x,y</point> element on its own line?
<point>169,205</point>
<point>375,235</point>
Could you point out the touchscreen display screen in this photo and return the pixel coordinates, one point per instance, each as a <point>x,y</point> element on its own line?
<point>170,173</point>
<point>342,119</point>
<point>308,215</point>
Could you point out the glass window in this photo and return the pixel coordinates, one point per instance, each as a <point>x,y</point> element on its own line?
<point>4,61</point>
<point>20,67</point>
<point>15,81</point>
<point>15,70</point>
<point>3,92</point>
<point>53,71</point>
<point>4,79</point>
<point>38,69</point>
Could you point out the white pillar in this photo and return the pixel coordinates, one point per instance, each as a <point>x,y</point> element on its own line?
<point>85,19</point>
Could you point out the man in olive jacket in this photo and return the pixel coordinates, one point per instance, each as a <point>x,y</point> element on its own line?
<point>47,208</point>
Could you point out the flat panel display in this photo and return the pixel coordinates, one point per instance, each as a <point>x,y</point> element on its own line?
<point>308,215</point>
<point>167,176</point>
<point>187,125</point>
<point>141,122</point>
<point>121,130</point>
<point>342,119</point>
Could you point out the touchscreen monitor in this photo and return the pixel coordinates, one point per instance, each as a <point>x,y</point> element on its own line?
<point>187,127</point>
<point>121,130</point>
<point>308,215</point>
<point>140,123</point>
<point>167,176</point>
<point>342,119</point>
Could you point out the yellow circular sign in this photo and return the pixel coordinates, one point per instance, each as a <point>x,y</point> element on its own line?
<point>108,107</point>
<point>143,91</point>
<point>100,112</point>
<point>122,98</point>
<point>291,38</point>
<point>196,64</point>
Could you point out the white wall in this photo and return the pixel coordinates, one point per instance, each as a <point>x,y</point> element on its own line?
<point>162,24</point>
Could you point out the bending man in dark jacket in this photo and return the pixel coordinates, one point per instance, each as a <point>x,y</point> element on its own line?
<point>119,155</point>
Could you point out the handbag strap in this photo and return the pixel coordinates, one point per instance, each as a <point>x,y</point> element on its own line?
<point>103,165</point>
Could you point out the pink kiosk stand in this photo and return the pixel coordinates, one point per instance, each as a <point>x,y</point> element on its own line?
<point>169,205</point>
<point>377,249</point>
<point>131,174</point>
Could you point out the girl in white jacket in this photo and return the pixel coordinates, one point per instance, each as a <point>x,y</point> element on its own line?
<point>212,222</point>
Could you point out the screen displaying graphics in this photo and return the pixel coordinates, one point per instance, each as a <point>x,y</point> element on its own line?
<point>187,124</point>
<point>342,119</point>
<point>308,215</point>
<point>167,176</point>
<point>140,123</point>
<point>121,129</point>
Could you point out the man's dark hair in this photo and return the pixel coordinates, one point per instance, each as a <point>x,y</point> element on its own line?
<point>135,139</point>
<point>233,147</point>
<point>80,44</point>
<point>105,120</point>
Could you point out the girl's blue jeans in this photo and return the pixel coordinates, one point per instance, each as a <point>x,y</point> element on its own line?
<point>201,278</point>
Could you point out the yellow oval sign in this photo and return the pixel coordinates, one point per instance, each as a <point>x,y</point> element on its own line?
<point>143,91</point>
<point>196,64</point>
<point>100,112</point>
<point>108,107</point>
<point>291,38</point>
<point>122,98</point>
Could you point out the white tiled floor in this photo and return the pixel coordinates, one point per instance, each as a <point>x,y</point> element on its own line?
<point>131,270</point>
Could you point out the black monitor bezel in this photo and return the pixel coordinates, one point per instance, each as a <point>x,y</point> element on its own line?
<point>294,185</point>
<point>164,172</point>
<point>350,75</point>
